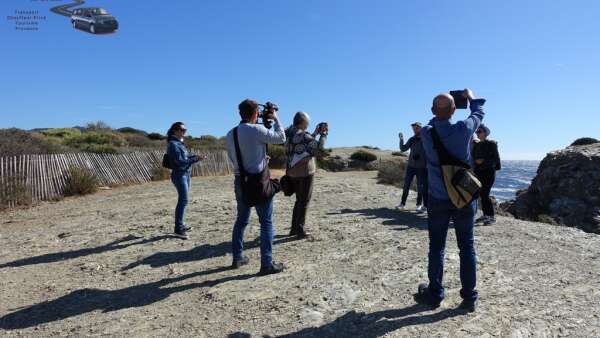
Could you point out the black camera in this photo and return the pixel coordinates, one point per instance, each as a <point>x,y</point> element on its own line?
<point>266,114</point>
<point>460,101</point>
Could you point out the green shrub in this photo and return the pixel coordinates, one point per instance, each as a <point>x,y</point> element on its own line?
<point>98,126</point>
<point>99,149</point>
<point>90,139</point>
<point>82,181</point>
<point>14,142</point>
<point>156,136</point>
<point>141,141</point>
<point>160,173</point>
<point>398,153</point>
<point>61,133</point>
<point>278,156</point>
<point>363,155</point>
<point>129,130</point>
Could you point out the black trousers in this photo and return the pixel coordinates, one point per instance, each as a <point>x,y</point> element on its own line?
<point>303,187</point>
<point>487,178</point>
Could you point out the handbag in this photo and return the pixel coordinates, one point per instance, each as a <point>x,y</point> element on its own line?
<point>257,188</point>
<point>461,183</point>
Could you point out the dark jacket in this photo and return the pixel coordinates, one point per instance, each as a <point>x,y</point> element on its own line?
<point>181,161</point>
<point>417,154</point>
<point>487,151</point>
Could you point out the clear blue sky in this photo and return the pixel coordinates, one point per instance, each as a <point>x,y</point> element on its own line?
<point>369,68</point>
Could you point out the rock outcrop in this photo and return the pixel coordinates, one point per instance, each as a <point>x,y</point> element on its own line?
<point>566,189</point>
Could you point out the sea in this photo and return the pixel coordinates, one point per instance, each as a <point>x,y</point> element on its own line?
<point>515,175</point>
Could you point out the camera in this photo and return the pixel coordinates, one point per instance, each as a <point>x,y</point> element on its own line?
<point>460,101</point>
<point>266,114</point>
<point>323,127</point>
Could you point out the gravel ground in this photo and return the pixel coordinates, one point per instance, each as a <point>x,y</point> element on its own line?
<point>104,265</point>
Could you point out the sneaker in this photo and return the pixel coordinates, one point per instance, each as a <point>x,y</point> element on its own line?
<point>421,210</point>
<point>270,270</point>
<point>489,221</point>
<point>481,219</point>
<point>240,262</point>
<point>181,234</point>
<point>401,206</point>
<point>468,305</point>
<point>423,296</point>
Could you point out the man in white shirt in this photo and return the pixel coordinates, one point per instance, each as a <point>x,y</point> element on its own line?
<point>252,140</point>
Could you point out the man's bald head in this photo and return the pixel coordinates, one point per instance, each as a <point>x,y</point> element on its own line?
<point>443,106</point>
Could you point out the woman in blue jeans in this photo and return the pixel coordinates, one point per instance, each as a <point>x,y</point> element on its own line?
<point>181,165</point>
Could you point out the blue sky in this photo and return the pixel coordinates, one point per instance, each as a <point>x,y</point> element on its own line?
<point>369,68</point>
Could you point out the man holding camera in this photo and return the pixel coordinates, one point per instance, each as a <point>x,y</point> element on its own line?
<point>456,139</point>
<point>416,167</point>
<point>252,140</point>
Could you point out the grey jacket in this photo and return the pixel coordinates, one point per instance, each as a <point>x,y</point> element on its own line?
<point>417,154</point>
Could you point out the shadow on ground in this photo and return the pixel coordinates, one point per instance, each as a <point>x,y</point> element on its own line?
<point>87,300</point>
<point>65,255</point>
<point>205,251</point>
<point>400,220</point>
<point>376,324</point>
<point>372,325</point>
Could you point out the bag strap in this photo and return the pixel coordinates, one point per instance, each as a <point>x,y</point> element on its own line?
<point>443,154</point>
<point>238,153</point>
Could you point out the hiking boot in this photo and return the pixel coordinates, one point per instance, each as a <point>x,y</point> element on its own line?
<point>187,228</point>
<point>293,232</point>
<point>180,233</point>
<point>240,262</point>
<point>468,305</point>
<point>270,270</point>
<point>423,296</point>
<point>489,221</point>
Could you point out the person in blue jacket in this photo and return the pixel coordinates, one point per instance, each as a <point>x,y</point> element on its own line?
<point>456,138</point>
<point>181,170</point>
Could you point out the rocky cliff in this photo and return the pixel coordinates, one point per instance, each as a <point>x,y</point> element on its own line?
<point>566,189</point>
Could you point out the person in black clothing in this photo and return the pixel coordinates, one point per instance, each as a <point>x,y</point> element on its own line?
<point>487,162</point>
<point>416,167</point>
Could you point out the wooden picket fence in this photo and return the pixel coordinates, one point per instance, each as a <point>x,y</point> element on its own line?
<point>44,177</point>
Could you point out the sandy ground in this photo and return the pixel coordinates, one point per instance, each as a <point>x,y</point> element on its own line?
<point>104,265</point>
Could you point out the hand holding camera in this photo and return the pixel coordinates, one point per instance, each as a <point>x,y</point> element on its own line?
<point>322,128</point>
<point>268,114</point>
<point>462,97</point>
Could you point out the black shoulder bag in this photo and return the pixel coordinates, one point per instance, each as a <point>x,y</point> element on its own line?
<point>256,188</point>
<point>461,183</point>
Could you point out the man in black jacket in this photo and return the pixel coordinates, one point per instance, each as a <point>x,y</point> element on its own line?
<point>417,166</point>
<point>487,162</point>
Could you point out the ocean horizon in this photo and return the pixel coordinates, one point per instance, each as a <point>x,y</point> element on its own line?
<point>514,175</point>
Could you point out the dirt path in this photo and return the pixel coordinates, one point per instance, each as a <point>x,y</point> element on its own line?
<point>103,265</point>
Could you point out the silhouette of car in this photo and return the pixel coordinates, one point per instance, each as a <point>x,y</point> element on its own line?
<point>95,20</point>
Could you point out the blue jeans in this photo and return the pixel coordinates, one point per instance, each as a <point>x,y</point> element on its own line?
<point>182,184</point>
<point>440,212</point>
<point>265,213</point>
<point>421,174</point>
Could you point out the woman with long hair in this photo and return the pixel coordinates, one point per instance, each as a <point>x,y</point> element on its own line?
<point>181,163</point>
